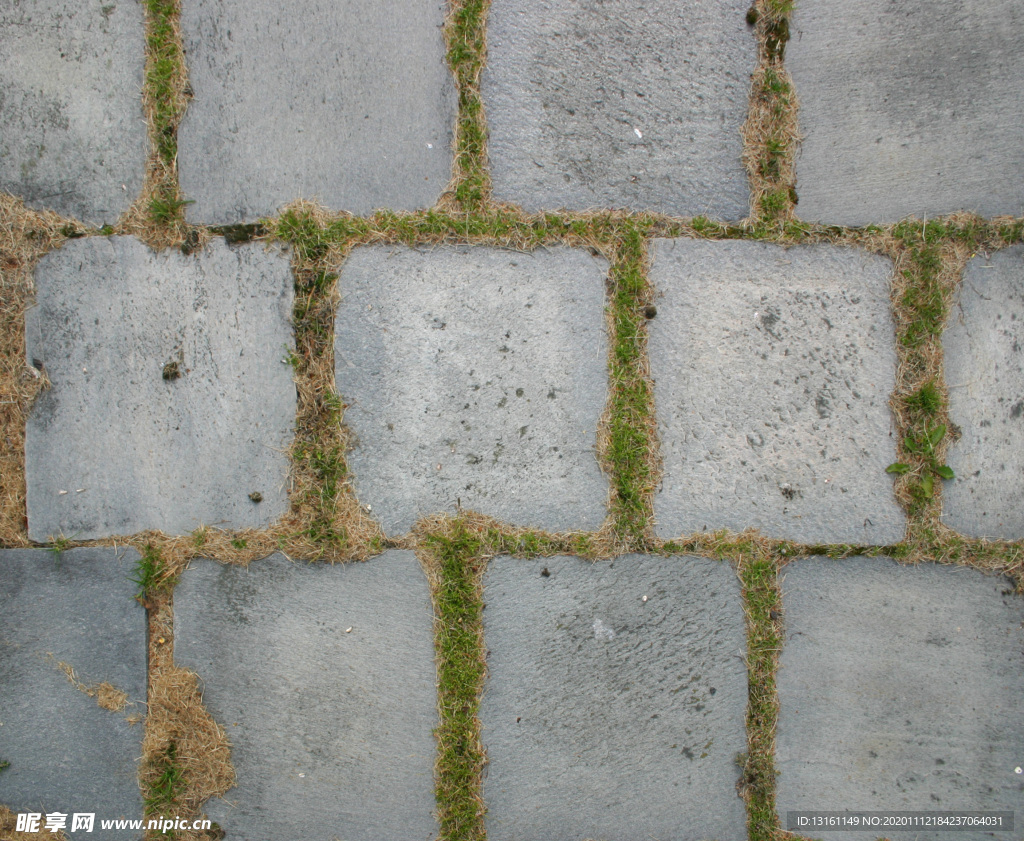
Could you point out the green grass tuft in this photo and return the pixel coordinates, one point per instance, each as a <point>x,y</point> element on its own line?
<point>167,784</point>
<point>152,574</point>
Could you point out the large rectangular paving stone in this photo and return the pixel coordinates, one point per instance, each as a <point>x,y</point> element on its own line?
<point>909,108</point>
<point>984,365</point>
<point>773,369</point>
<point>475,375</point>
<point>899,689</point>
<point>67,753</point>
<point>607,105</point>
<point>324,678</point>
<point>615,702</point>
<point>172,400</point>
<point>72,131</point>
<point>350,103</point>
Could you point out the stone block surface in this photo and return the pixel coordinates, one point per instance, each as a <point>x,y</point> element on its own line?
<point>773,369</point>
<point>72,131</point>
<point>908,108</point>
<point>324,678</point>
<point>171,397</point>
<point>615,702</point>
<point>984,365</point>
<point>899,689</point>
<point>478,375</point>
<point>68,754</point>
<point>599,105</point>
<point>348,103</point>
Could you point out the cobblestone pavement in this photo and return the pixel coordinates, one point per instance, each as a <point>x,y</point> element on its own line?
<point>525,419</point>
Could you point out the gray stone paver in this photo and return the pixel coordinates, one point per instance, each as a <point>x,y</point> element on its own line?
<point>66,753</point>
<point>478,375</point>
<point>323,677</point>
<point>984,366</point>
<point>610,717</point>
<point>113,447</point>
<point>72,131</point>
<point>351,104</point>
<point>908,108</point>
<point>773,369</point>
<point>607,105</point>
<point>899,689</point>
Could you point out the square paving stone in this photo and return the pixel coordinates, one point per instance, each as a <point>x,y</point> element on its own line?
<point>475,375</point>
<point>603,104</point>
<point>899,689</point>
<point>984,363</point>
<point>324,678</point>
<point>350,103</point>
<point>909,108</point>
<point>66,753</point>
<point>172,399</point>
<point>615,702</point>
<point>773,369</point>
<point>72,131</point>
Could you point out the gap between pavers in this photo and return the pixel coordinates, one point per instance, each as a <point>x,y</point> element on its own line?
<point>172,399</point>
<point>68,754</point>
<point>324,679</point>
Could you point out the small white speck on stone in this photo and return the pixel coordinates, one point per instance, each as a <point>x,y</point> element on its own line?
<point>644,599</point>
<point>602,631</point>
<point>637,132</point>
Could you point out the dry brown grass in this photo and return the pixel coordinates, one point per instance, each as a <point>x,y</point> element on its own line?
<point>108,696</point>
<point>8,822</point>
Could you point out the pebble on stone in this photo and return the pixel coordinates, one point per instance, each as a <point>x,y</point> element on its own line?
<point>899,689</point>
<point>474,376</point>
<point>324,679</point>
<point>773,370</point>
<point>72,131</point>
<point>171,395</point>
<point>909,108</point>
<point>984,366</point>
<point>66,753</point>
<point>605,105</point>
<point>609,716</point>
<point>353,106</point>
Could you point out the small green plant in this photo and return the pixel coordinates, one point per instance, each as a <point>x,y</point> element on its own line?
<point>151,574</point>
<point>59,544</point>
<point>924,444</point>
<point>238,543</point>
<point>166,209</point>
<point>4,765</point>
<point>199,537</point>
<point>167,783</point>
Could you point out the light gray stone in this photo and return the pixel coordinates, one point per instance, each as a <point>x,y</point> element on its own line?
<point>324,678</point>
<point>909,108</point>
<point>984,365</point>
<point>773,369</point>
<point>66,753</point>
<point>607,716</point>
<point>114,447</point>
<point>602,104</point>
<point>478,375</point>
<point>899,689</point>
<point>72,131</point>
<point>350,103</point>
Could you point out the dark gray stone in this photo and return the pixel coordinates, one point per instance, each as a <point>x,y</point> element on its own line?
<point>72,131</point>
<point>350,103</point>
<point>478,375</point>
<point>115,447</point>
<point>66,753</point>
<point>607,716</point>
<point>984,364</point>
<point>604,104</point>
<point>899,689</point>
<point>908,108</point>
<point>773,369</point>
<point>324,678</point>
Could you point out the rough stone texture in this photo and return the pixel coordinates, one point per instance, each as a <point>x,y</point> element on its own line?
<point>66,753</point>
<point>114,447</point>
<point>908,108</point>
<point>899,689</point>
<point>773,372</point>
<point>603,105</point>
<point>609,717</point>
<point>984,363</point>
<point>72,131</point>
<point>490,364</point>
<point>324,678</point>
<point>350,103</point>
